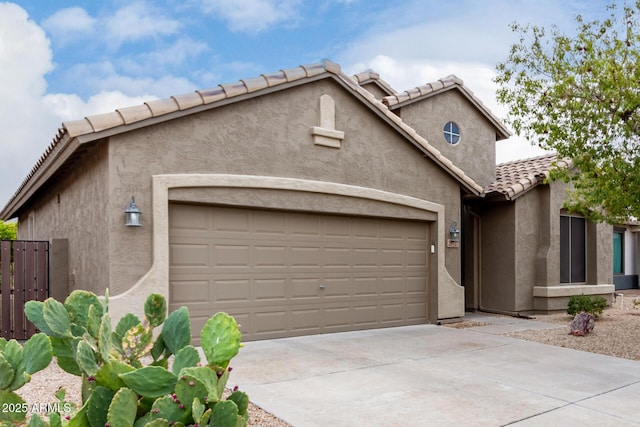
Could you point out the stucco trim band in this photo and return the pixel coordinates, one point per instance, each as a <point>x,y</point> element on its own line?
<point>450,294</point>
<point>569,290</point>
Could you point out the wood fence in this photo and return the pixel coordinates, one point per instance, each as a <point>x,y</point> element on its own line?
<point>24,276</point>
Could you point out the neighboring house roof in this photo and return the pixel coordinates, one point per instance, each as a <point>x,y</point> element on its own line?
<point>74,136</point>
<point>515,178</point>
<point>450,82</point>
<point>370,76</point>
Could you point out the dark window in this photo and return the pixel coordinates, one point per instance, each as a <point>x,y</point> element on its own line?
<point>618,251</point>
<point>451,133</point>
<point>572,249</point>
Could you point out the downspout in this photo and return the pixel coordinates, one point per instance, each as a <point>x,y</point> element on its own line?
<point>480,306</point>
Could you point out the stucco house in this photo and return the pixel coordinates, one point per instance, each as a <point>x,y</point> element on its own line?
<point>302,201</point>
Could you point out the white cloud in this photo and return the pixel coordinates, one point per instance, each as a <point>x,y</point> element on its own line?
<point>72,107</point>
<point>27,127</point>
<point>176,54</point>
<point>29,117</point>
<point>253,15</point>
<point>66,24</point>
<point>138,21</point>
<point>104,77</point>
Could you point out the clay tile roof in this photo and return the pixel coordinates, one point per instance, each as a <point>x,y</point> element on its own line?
<point>95,127</point>
<point>370,76</point>
<point>517,177</point>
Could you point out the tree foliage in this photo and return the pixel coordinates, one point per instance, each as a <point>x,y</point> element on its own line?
<point>8,230</point>
<point>579,96</point>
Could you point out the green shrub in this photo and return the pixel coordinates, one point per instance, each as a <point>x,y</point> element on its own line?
<point>584,303</point>
<point>8,230</point>
<point>131,379</point>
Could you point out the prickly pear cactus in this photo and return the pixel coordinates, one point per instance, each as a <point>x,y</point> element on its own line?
<point>117,388</point>
<point>17,364</point>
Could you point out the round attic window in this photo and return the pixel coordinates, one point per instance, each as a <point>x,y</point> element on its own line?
<point>451,133</point>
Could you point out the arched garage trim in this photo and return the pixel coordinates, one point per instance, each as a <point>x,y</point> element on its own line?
<point>448,294</point>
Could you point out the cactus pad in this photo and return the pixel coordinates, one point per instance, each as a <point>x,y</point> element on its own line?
<point>57,318</point>
<point>220,339</point>
<point>98,405</point>
<point>187,357</point>
<point>38,353</point>
<point>123,408</point>
<point>78,303</point>
<point>6,372</point>
<point>224,414</point>
<point>155,309</point>
<point>150,381</point>
<point>176,330</point>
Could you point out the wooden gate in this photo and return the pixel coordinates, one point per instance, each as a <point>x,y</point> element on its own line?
<point>24,276</point>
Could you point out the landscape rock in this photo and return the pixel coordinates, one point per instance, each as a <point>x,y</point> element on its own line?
<point>582,325</point>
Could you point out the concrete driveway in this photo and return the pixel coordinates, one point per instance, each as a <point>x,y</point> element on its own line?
<point>431,375</point>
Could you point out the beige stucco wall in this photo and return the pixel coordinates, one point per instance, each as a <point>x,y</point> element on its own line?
<point>75,207</point>
<point>497,246</point>
<point>530,240</point>
<point>523,273</point>
<point>266,136</point>
<point>475,153</point>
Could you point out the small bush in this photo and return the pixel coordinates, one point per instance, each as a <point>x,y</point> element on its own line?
<point>586,304</point>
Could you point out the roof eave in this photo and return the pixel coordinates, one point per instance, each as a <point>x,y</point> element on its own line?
<point>65,147</point>
<point>103,126</point>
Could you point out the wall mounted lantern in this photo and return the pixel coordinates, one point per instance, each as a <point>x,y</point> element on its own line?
<point>454,236</point>
<point>132,214</point>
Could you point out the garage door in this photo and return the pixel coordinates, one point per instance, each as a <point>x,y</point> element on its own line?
<point>286,273</point>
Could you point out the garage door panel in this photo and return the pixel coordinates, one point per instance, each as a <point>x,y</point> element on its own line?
<point>235,291</point>
<point>184,218</point>
<point>304,225</point>
<point>190,292</point>
<point>365,258</point>
<point>392,285</point>
<point>416,285</point>
<point>270,322</point>
<point>335,257</point>
<point>336,227</point>
<point>305,288</point>
<point>336,288</point>
<point>231,256</point>
<point>415,311</point>
<point>270,290</point>
<point>232,220</point>
<point>305,256</point>
<point>270,256</point>
<point>337,317</point>
<point>365,286</point>
<point>393,312</point>
<point>271,224</point>
<point>416,257</point>
<point>391,258</point>
<point>416,232</point>
<point>366,229</point>
<point>306,320</point>
<point>189,255</point>
<point>266,269</point>
<point>366,315</point>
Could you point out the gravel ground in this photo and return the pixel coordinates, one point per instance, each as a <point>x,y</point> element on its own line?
<point>616,333</point>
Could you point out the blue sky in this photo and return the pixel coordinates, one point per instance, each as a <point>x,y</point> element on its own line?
<point>63,60</point>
